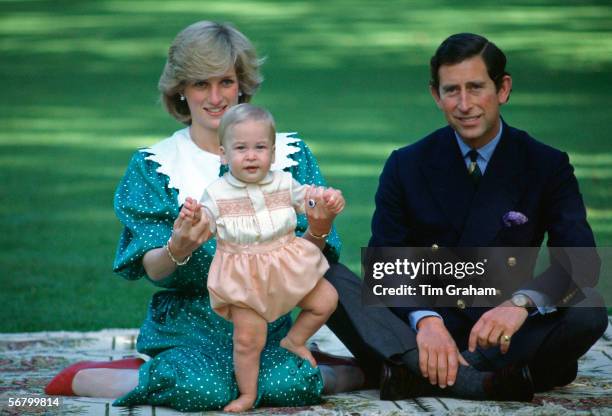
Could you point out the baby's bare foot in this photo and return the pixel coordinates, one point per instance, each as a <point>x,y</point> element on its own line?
<point>299,350</point>
<point>242,403</point>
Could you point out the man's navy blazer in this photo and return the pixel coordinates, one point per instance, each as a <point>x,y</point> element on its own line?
<point>426,197</point>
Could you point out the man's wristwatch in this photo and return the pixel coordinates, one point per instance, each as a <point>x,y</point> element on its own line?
<point>523,301</point>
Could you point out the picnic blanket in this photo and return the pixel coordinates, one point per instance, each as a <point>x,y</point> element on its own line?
<point>28,361</point>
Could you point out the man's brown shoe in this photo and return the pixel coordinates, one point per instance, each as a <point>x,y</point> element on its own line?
<point>398,383</point>
<point>510,384</point>
<point>330,359</point>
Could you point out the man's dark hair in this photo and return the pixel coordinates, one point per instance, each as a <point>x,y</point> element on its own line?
<point>461,46</point>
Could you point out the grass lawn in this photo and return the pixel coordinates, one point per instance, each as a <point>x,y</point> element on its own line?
<point>79,96</point>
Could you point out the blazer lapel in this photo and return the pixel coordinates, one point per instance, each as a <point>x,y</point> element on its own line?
<point>448,179</point>
<point>498,192</point>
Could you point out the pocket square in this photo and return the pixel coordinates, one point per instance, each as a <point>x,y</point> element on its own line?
<point>514,218</point>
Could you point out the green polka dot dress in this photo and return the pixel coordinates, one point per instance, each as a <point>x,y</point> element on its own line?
<point>191,366</point>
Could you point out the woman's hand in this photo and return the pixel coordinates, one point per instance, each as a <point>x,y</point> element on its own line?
<point>322,206</point>
<point>320,219</point>
<point>191,229</point>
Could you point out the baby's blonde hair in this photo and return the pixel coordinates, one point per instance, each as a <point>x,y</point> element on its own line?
<point>243,112</point>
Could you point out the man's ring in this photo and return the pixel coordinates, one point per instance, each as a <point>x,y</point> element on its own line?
<point>312,203</point>
<point>506,338</point>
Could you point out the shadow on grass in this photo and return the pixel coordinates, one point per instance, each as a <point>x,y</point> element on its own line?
<point>350,76</point>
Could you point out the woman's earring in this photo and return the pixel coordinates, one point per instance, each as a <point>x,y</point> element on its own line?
<point>182,97</point>
<point>239,93</point>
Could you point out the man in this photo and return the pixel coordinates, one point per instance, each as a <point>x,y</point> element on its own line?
<point>457,187</point>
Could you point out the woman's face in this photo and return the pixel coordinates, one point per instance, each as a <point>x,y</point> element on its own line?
<point>210,98</point>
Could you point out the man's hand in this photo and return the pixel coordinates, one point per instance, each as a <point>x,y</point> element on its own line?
<point>497,326</point>
<point>439,357</point>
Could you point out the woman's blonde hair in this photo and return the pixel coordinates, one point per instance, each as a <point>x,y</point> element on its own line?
<point>202,50</point>
<point>241,113</point>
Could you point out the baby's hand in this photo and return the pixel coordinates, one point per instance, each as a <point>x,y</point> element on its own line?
<point>334,201</point>
<point>191,228</point>
<point>190,210</point>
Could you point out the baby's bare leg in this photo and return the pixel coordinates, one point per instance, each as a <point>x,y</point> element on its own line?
<point>317,306</point>
<point>250,331</point>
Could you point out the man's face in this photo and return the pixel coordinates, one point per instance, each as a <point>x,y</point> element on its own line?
<point>470,101</point>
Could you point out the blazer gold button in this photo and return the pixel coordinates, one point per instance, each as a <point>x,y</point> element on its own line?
<point>511,261</point>
<point>460,304</point>
<point>434,247</point>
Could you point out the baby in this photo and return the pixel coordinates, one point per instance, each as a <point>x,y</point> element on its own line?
<point>261,271</point>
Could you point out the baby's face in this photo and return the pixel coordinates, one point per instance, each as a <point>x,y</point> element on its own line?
<point>249,152</point>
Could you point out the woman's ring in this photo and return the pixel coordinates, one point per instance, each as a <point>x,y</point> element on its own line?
<point>312,203</point>
<point>506,338</point>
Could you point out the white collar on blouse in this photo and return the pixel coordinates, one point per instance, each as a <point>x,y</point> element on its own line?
<point>191,169</point>
<point>234,181</point>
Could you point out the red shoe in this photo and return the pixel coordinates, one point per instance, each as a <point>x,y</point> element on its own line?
<point>61,385</point>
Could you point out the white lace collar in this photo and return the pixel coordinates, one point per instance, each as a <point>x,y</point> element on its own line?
<point>192,169</point>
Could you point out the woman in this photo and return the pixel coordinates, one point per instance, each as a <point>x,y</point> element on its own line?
<point>210,68</point>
